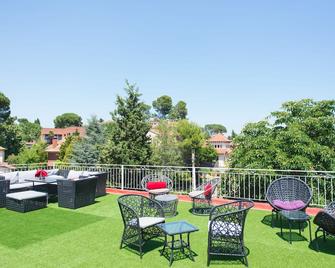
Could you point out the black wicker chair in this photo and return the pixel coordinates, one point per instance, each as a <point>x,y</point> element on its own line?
<point>202,197</point>
<point>140,215</point>
<point>288,193</point>
<point>157,178</point>
<point>325,220</point>
<point>4,189</point>
<point>226,230</point>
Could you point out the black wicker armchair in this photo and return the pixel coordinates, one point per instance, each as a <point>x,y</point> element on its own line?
<point>140,216</point>
<point>4,189</point>
<point>226,230</point>
<point>288,193</point>
<point>325,220</point>
<point>202,197</point>
<point>156,184</point>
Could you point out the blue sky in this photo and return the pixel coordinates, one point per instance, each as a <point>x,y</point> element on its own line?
<point>233,62</point>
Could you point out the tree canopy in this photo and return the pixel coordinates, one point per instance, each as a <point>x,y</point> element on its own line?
<point>35,154</point>
<point>212,129</point>
<point>68,120</point>
<point>179,111</point>
<point>4,108</point>
<point>87,150</point>
<point>10,137</point>
<point>162,106</point>
<point>300,136</point>
<point>29,131</point>
<point>192,137</point>
<point>127,142</point>
<point>165,146</point>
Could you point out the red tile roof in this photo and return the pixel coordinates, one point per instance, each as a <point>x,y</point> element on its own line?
<point>63,131</point>
<point>219,138</point>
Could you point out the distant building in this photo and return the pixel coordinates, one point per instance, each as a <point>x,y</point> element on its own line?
<point>222,146</point>
<point>55,137</point>
<point>2,154</point>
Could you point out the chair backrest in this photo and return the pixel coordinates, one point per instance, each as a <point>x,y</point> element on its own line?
<point>156,178</point>
<point>289,189</point>
<point>209,187</point>
<point>230,217</point>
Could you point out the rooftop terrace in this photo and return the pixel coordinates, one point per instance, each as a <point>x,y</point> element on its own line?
<point>90,237</point>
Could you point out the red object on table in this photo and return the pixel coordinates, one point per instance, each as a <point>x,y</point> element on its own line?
<point>41,173</point>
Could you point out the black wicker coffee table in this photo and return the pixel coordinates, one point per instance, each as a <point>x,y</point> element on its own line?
<point>169,203</point>
<point>177,228</point>
<point>295,216</point>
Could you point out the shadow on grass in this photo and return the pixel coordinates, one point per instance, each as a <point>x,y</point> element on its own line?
<point>178,254</point>
<point>276,223</point>
<point>18,230</point>
<point>150,245</point>
<point>295,237</point>
<point>325,246</point>
<point>228,260</point>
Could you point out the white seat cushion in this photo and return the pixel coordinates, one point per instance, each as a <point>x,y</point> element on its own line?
<point>145,222</point>
<point>159,191</point>
<point>18,186</point>
<point>195,193</point>
<point>26,195</point>
<point>224,228</point>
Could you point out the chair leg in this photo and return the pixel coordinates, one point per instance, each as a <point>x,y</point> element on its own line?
<point>324,235</point>
<point>246,261</point>
<point>208,249</point>
<point>122,239</point>
<point>141,243</point>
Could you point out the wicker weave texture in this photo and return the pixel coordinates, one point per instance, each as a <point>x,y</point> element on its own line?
<point>133,207</point>
<point>226,229</point>
<point>76,193</point>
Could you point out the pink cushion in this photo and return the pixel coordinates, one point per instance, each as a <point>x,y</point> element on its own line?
<point>153,185</point>
<point>289,205</point>
<point>208,190</point>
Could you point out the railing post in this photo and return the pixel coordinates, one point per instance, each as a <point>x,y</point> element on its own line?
<point>122,177</point>
<point>194,184</point>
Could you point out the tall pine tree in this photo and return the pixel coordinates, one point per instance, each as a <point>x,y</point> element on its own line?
<point>128,142</point>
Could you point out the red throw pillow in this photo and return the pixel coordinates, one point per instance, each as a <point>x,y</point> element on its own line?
<point>41,173</point>
<point>208,190</point>
<point>153,185</point>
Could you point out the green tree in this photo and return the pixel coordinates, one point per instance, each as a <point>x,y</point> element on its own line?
<point>4,108</point>
<point>10,137</point>
<point>191,137</point>
<point>128,142</point>
<point>87,150</point>
<point>68,120</point>
<point>162,106</point>
<point>29,131</point>
<point>302,136</point>
<point>179,111</point>
<point>66,149</point>
<point>35,154</point>
<point>212,129</point>
<point>165,147</point>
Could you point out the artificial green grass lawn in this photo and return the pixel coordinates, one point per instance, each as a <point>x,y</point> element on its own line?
<point>90,237</point>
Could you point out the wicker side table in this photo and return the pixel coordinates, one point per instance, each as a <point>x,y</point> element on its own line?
<point>169,203</point>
